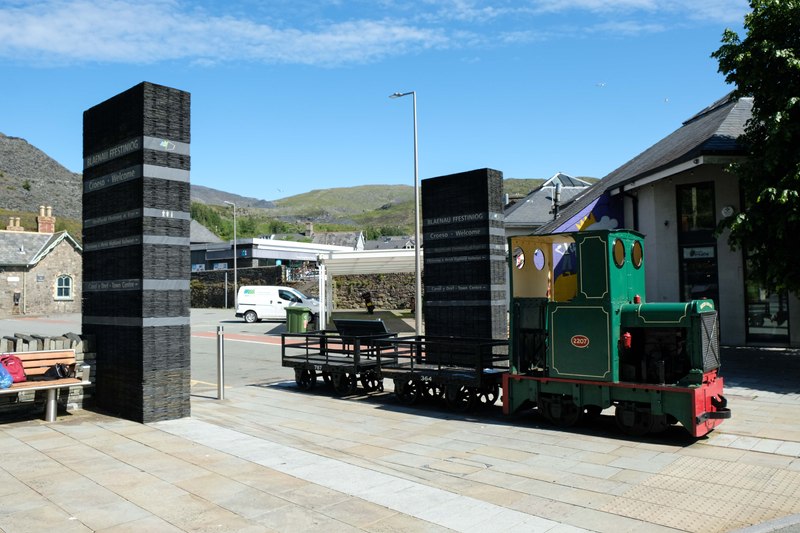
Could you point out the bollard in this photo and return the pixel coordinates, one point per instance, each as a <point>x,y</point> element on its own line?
<point>220,363</point>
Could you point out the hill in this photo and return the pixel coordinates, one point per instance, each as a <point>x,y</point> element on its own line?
<point>30,178</point>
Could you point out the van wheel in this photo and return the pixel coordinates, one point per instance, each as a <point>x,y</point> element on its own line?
<point>250,317</point>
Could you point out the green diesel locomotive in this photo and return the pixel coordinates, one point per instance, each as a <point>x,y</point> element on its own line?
<point>583,338</point>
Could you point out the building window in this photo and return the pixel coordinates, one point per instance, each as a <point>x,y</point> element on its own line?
<point>697,244</point>
<point>767,314</point>
<point>696,208</point>
<point>64,288</point>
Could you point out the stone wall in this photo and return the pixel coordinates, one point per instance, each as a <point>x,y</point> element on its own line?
<point>388,291</point>
<point>38,285</point>
<point>208,287</point>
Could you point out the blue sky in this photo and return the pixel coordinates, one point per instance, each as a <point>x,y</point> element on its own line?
<point>292,95</point>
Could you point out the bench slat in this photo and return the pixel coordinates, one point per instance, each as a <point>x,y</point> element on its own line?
<point>37,363</point>
<point>41,385</point>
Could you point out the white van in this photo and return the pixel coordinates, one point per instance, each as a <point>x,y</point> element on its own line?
<point>269,302</point>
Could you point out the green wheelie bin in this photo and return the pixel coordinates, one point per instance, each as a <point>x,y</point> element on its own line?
<point>297,319</point>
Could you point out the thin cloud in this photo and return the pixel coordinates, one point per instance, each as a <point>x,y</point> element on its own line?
<point>627,28</point>
<point>148,32</point>
<point>722,11</point>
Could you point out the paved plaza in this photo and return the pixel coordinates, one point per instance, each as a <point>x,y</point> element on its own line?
<point>271,458</point>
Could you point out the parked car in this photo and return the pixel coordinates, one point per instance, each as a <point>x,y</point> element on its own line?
<point>269,302</point>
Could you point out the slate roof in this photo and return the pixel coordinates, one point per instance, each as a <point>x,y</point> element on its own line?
<point>26,248</point>
<point>390,243</point>
<point>712,131</point>
<point>199,234</point>
<point>338,238</point>
<point>536,209</point>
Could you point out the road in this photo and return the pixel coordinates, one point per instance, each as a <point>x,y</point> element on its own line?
<point>252,351</point>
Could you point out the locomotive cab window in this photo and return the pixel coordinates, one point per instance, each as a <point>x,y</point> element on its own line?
<point>637,254</point>
<point>519,258</point>
<point>619,253</point>
<point>538,259</point>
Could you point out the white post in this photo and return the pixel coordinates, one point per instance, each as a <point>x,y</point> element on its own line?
<point>220,363</point>
<point>323,295</point>
<point>235,284</point>
<point>417,238</point>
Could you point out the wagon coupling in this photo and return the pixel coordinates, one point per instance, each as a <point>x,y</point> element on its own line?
<point>722,412</point>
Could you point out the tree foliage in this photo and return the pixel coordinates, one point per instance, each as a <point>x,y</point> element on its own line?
<point>765,65</point>
<point>219,219</point>
<point>372,233</point>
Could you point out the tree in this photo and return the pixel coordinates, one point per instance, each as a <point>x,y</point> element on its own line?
<point>766,66</point>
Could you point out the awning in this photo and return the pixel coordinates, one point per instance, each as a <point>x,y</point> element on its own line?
<point>368,261</point>
<point>358,262</point>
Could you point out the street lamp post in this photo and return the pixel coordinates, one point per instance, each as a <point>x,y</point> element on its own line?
<point>235,286</point>
<point>417,239</point>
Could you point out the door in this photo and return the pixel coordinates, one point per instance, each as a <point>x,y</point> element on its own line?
<point>697,243</point>
<point>284,299</point>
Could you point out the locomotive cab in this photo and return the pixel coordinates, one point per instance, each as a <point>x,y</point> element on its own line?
<point>566,300</point>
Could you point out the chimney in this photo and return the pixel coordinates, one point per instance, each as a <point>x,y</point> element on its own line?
<point>13,224</point>
<point>46,221</point>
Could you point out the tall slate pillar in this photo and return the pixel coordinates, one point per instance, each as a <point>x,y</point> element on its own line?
<point>136,267</point>
<point>465,258</point>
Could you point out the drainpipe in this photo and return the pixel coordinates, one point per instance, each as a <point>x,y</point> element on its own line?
<point>635,200</point>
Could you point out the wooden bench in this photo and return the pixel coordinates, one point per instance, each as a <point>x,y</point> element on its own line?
<point>37,363</point>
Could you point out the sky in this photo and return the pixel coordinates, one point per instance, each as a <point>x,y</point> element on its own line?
<point>293,95</point>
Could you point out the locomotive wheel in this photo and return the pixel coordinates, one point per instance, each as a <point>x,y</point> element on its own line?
<point>460,398</point>
<point>489,394</point>
<point>592,411</point>
<point>560,410</point>
<point>305,378</point>
<point>370,382</point>
<point>344,383</point>
<point>660,423</point>
<point>633,419</point>
<point>407,391</point>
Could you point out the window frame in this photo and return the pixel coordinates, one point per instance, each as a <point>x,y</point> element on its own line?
<point>67,287</point>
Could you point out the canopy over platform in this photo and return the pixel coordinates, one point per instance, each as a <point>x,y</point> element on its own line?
<point>357,262</point>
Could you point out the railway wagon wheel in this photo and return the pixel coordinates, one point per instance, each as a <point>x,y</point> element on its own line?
<point>370,382</point>
<point>489,394</point>
<point>305,378</point>
<point>559,410</point>
<point>636,419</point>
<point>408,391</point>
<point>344,383</point>
<point>432,390</point>
<point>326,378</point>
<point>460,398</point>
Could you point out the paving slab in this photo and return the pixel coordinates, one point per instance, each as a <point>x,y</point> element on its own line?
<point>272,458</point>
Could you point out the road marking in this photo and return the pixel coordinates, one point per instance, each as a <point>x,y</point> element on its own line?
<point>238,337</point>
